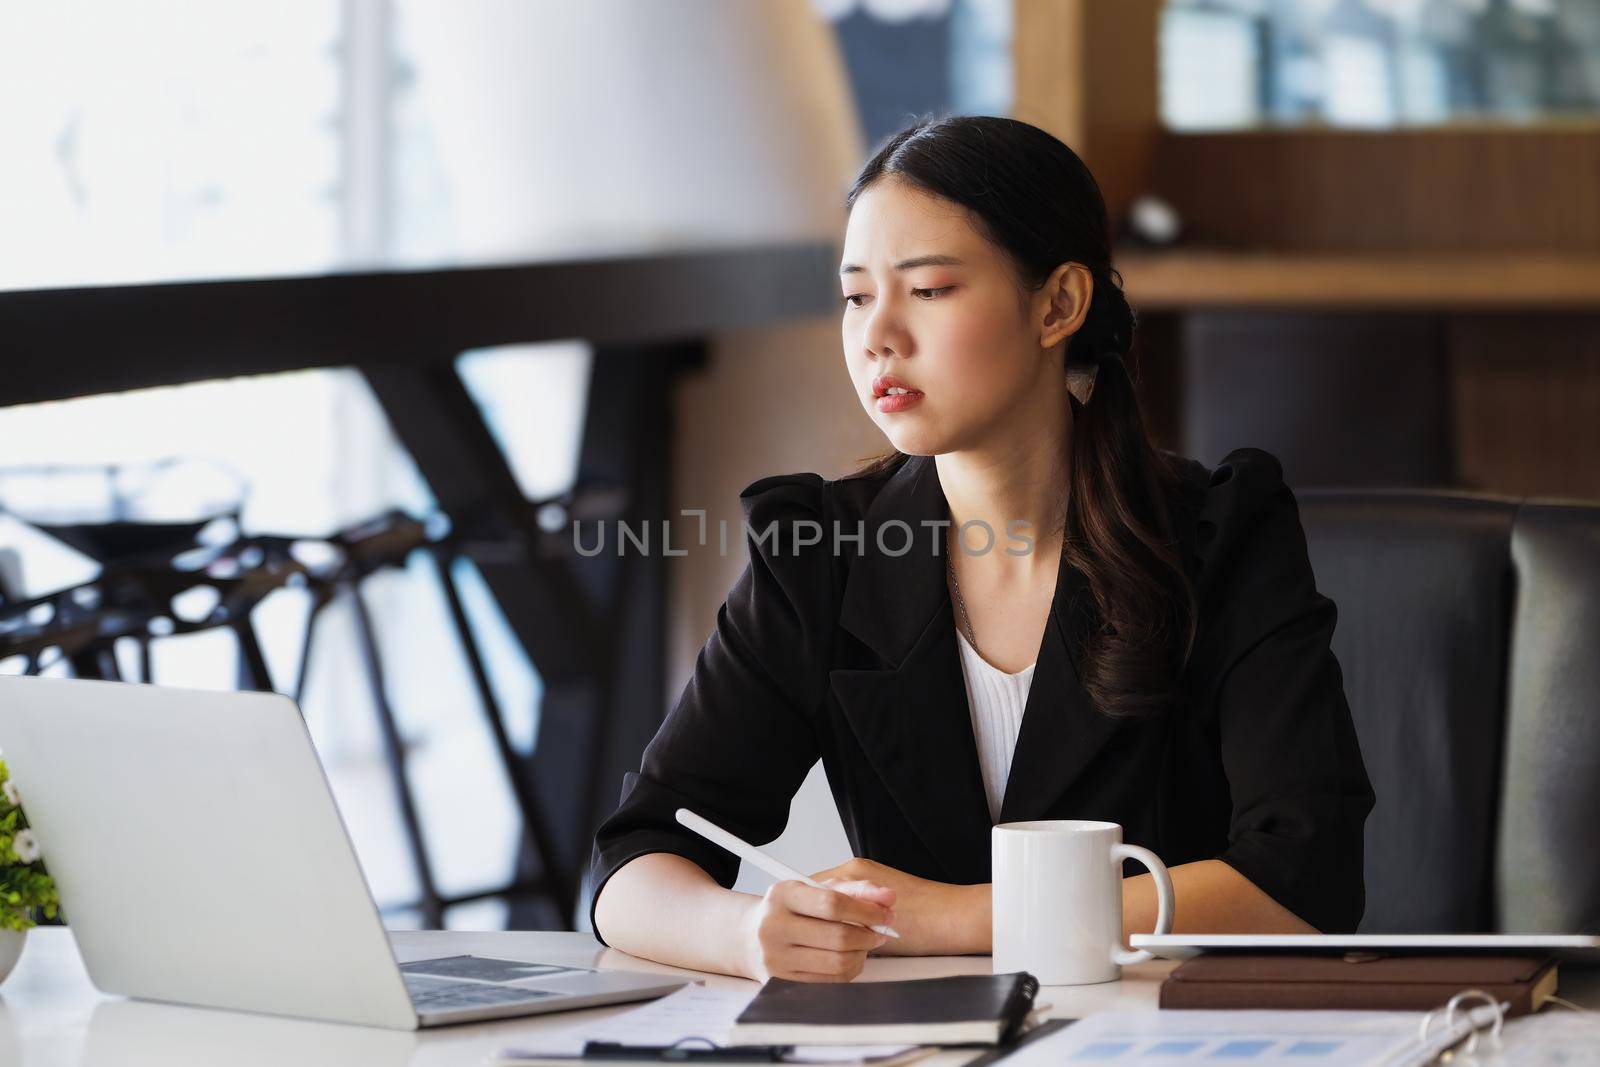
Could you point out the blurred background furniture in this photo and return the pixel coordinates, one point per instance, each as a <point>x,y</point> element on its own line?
<point>1388,271</point>
<point>1467,631</point>
<point>592,624</point>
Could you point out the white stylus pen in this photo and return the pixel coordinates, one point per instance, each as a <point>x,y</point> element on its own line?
<point>746,851</point>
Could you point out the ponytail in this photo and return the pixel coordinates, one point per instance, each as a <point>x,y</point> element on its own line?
<point>1119,531</point>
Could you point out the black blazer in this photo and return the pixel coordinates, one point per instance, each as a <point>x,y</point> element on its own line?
<point>851,657</point>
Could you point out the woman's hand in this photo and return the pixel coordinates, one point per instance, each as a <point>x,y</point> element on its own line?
<point>805,934</point>
<point>934,918</point>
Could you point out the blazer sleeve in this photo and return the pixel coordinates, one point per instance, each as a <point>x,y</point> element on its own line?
<point>740,739</point>
<point>1298,788</point>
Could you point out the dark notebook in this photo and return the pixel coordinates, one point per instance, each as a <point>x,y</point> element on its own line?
<point>971,1009</point>
<point>1356,981</point>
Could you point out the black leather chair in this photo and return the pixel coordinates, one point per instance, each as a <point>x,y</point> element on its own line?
<point>1469,638</point>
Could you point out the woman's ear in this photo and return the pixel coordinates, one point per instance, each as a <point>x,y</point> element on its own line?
<point>1063,302</point>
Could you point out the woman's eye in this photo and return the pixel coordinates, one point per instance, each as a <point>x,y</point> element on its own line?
<point>922,294</point>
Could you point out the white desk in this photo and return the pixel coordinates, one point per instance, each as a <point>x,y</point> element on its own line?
<point>50,1016</point>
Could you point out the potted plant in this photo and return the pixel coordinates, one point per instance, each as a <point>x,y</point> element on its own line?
<point>26,889</point>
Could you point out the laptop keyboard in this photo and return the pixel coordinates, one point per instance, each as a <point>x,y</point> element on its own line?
<point>439,994</point>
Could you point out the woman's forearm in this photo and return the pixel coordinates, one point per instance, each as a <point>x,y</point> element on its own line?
<point>664,907</point>
<point>1208,896</point>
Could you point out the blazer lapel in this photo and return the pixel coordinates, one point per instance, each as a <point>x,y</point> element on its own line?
<point>1062,732</point>
<point>910,715</point>
<point>914,726</point>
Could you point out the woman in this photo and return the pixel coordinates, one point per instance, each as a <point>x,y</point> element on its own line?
<point>1158,621</point>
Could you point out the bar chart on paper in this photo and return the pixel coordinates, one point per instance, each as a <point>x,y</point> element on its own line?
<point>1257,1039</point>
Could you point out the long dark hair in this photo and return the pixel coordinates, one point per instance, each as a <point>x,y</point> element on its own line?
<point>1033,198</point>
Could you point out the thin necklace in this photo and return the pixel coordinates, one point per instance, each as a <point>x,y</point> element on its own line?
<point>950,564</point>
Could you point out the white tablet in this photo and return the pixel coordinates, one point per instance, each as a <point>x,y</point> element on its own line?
<point>1186,946</point>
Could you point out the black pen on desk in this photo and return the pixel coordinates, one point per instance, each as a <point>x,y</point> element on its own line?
<point>746,851</point>
<point>611,1050</point>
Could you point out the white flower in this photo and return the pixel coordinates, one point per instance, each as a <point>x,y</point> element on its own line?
<point>24,845</point>
<point>10,790</point>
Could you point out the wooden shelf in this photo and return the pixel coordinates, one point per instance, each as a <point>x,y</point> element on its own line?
<point>1180,280</point>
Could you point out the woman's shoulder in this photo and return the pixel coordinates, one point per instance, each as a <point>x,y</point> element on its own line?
<point>1232,493</point>
<point>1255,467</point>
<point>1240,509</point>
<point>804,494</point>
<point>776,495</point>
<point>1244,541</point>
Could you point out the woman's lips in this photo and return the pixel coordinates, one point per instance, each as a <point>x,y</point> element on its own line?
<point>890,403</point>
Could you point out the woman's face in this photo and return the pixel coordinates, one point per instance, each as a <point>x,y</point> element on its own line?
<point>932,305</point>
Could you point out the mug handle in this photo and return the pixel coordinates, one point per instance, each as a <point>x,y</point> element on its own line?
<point>1125,957</point>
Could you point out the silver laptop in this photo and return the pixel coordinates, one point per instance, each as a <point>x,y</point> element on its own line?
<point>201,859</point>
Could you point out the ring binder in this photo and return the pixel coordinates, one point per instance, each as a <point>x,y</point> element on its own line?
<point>1565,1037</point>
<point>1498,1007</point>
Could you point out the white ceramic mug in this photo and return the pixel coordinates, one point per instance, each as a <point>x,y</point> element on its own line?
<point>1057,900</point>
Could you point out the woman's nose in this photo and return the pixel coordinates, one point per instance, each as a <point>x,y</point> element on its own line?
<point>883,336</point>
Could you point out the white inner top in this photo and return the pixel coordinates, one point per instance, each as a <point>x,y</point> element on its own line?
<point>996,700</point>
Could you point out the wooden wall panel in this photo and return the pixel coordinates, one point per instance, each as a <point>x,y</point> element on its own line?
<point>1086,71</point>
<point>1449,189</point>
<point>1525,403</point>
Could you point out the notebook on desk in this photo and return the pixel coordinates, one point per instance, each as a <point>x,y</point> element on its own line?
<point>969,1009</point>
<point>1357,981</point>
<point>1582,947</point>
